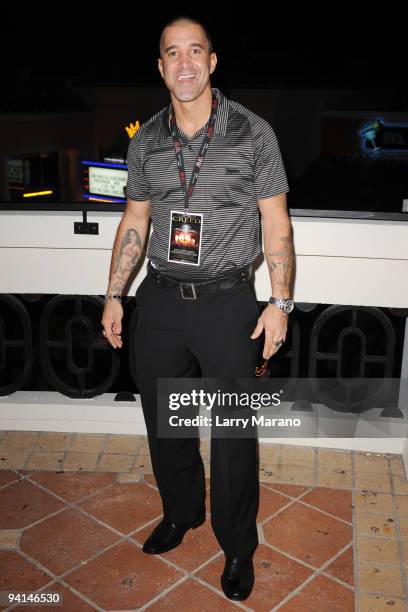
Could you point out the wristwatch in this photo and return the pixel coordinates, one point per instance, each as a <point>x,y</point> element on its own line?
<point>284,304</point>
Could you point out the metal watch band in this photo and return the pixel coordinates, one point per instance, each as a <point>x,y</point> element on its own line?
<point>285,304</point>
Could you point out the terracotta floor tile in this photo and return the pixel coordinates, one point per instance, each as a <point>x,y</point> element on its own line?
<point>18,574</point>
<point>70,601</point>
<point>198,545</point>
<point>287,489</point>
<point>269,473</point>
<point>378,550</point>
<point>307,534</point>
<point>400,484</point>
<point>334,501</point>
<point>270,453</point>
<point>269,503</point>
<point>275,577</point>
<point>18,439</point>
<point>377,525</point>
<point>377,578</point>
<point>374,481</point>
<point>397,466</point>
<point>45,459</point>
<point>343,567</point>
<point>205,448</point>
<point>125,445</point>
<point>123,578</point>
<point>150,479</point>
<point>334,478</point>
<point>114,463</point>
<point>370,462</point>
<point>403,525</point>
<point>7,476</point>
<point>296,474</point>
<point>125,506</point>
<point>82,462</point>
<point>23,503</point>
<point>401,505</point>
<point>192,596</point>
<point>298,456</point>
<point>143,463</point>
<point>88,443</point>
<point>65,539</point>
<point>133,476</point>
<point>321,595</point>
<point>73,486</point>
<point>372,501</point>
<point>13,458</point>
<point>381,603</point>
<point>54,440</point>
<point>334,459</point>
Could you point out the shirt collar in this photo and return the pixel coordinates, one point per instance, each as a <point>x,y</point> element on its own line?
<point>221,118</point>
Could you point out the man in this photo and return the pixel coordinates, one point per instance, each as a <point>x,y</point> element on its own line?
<point>197,311</point>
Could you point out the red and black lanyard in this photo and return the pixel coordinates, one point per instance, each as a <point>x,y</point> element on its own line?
<point>200,157</point>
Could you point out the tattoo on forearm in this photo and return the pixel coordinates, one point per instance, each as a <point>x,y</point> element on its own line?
<point>281,263</point>
<point>126,254</point>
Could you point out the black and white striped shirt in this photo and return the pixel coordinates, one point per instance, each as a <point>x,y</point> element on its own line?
<point>243,164</point>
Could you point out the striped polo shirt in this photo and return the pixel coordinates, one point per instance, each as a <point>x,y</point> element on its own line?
<point>242,164</point>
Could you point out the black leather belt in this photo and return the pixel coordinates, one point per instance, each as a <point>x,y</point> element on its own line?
<point>191,290</point>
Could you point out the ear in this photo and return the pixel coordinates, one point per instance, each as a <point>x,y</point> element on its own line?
<point>213,62</point>
<point>160,66</point>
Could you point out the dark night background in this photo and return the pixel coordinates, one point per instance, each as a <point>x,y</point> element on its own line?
<point>47,50</point>
<point>95,68</point>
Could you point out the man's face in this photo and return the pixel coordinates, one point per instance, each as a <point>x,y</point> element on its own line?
<point>186,63</point>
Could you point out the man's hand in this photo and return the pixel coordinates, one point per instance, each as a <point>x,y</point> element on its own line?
<point>112,323</point>
<point>275,323</point>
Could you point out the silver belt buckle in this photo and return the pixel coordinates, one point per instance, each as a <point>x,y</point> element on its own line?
<point>189,286</point>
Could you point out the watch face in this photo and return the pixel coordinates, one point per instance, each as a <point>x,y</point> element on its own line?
<point>289,306</point>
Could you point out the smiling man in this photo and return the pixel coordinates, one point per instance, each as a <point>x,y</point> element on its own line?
<point>204,169</point>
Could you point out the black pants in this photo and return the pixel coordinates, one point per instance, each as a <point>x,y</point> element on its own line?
<point>208,337</point>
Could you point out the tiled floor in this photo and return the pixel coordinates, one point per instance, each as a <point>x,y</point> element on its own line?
<point>75,510</point>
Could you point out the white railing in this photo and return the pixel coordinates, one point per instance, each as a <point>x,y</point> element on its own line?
<point>338,261</point>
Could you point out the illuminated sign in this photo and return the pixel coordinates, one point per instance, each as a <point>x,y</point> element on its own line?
<point>104,182</point>
<point>132,129</point>
<point>38,193</point>
<point>380,137</point>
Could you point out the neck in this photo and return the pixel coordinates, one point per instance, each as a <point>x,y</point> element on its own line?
<point>194,113</point>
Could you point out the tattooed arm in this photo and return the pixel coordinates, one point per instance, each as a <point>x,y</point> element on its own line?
<point>278,245</point>
<point>128,246</point>
<point>280,257</point>
<point>129,243</point>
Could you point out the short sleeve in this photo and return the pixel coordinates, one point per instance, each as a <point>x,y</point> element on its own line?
<point>137,187</point>
<point>269,172</point>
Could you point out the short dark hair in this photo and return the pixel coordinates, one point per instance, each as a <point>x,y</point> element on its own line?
<point>190,19</point>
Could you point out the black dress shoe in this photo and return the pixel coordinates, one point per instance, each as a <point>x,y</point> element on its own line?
<point>166,535</point>
<point>238,578</point>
